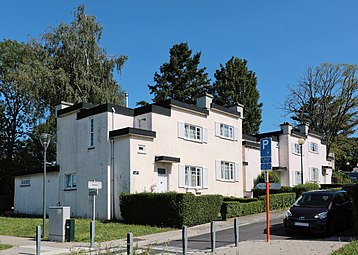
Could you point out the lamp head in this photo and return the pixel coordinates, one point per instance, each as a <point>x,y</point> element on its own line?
<point>45,139</point>
<point>301,141</point>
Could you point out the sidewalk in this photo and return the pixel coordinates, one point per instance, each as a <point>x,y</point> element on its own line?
<point>27,246</point>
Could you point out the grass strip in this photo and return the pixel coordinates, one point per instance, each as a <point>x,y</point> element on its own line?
<point>348,249</point>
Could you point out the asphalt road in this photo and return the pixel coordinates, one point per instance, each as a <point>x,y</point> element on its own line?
<point>254,231</point>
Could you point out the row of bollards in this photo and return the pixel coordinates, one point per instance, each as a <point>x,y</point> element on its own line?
<point>185,238</point>
<point>130,238</point>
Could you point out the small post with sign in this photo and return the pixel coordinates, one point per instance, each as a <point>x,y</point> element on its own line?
<point>93,187</point>
<point>266,165</point>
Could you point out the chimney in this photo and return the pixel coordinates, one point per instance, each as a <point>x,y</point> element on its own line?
<point>204,101</point>
<point>286,128</point>
<point>238,108</point>
<point>303,128</point>
<point>126,99</point>
<point>62,105</point>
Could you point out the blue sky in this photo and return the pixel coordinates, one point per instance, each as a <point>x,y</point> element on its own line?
<point>280,39</point>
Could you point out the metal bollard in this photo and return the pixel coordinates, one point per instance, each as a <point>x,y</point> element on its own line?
<point>236,232</point>
<point>129,243</point>
<point>38,240</point>
<point>92,234</point>
<point>213,236</point>
<point>185,239</point>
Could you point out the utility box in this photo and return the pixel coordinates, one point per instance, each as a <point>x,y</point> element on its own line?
<point>57,222</point>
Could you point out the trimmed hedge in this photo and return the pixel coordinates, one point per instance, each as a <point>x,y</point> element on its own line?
<point>231,209</point>
<point>298,189</point>
<point>240,199</point>
<point>169,209</point>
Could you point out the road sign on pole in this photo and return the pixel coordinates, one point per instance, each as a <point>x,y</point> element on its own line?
<point>265,153</point>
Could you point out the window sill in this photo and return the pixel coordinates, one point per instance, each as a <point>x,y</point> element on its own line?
<point>192,140</point>
<point>25,185</point>
<point>315,152</point>
<point>224,180</point>
<point>226,138</point>
<point>91,148</point>
<point>70,189</point>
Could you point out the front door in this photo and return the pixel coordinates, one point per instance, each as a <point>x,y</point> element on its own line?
<point>162,185</point>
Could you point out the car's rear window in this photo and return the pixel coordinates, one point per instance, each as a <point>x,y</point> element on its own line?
<point>314,200</point>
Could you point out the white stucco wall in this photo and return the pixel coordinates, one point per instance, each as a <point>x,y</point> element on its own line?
<point>28,199</point>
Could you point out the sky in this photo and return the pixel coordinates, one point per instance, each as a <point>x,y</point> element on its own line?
<point>280,39</point>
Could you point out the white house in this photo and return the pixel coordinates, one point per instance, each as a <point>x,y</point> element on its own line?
<point>168,146</point>
<point>286,157</point>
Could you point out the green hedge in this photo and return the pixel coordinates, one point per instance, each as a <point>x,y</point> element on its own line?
<point>298,189</point>
<point>240,199</point>
<point>169,209</point>
<point>231,209</point>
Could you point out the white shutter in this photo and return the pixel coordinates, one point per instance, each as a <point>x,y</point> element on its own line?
<point>293,148</point>
<point>181,174</point>
<point>236,134</point>
<point>218,169</point>
<point>217,128</point>
<point>181,131</point>
<point>205,135</point>
<point>236,172</point>
<point>205,178</point>
<point>63,181</point>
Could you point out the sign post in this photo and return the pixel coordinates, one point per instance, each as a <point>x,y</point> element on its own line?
<point>93,187</point>
<point>266,165</point>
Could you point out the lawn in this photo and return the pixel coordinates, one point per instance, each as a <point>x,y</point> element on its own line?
<point>26,227</point>
<point>348,249</point>
<point>4,246</point>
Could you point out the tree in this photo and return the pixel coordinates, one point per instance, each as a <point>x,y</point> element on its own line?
<point>236,84</point>
<point>180,79</point>
<point>326,99</point>
<point>79,69</point>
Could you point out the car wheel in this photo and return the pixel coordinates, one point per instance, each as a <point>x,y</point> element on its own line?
<point>330,228</point>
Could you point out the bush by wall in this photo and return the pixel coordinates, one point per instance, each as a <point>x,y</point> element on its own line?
<point>301,188</point>
<point>262,192</point>
<point>169,209</point>
<point>240,199</point>
<point>231,209</point>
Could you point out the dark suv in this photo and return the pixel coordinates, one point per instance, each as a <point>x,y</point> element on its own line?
<point>322,211</point>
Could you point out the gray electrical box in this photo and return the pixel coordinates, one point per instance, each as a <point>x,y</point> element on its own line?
<point>57,222</point>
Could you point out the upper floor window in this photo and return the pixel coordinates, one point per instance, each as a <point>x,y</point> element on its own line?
<point>70,181</point>
<point>25,182</point>
<point>142,123</point>
<point>226,131</point>
<point>314,147</point>
<point>91,132</point>
<point>192,132</point>
<point>226,171</point>
<point>296,148</point>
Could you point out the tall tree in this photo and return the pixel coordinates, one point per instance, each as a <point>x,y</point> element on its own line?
<point>180,79</point>
<point>327,99</point>
<point>81,70</point>
<point>236,84</point>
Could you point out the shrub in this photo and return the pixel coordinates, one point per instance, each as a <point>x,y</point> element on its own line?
<point>273,178</point>
<point>261,192</point>
<point>240,199</point>
<point>169,209</point>
<point>301,188</point>
<point>231,209</point>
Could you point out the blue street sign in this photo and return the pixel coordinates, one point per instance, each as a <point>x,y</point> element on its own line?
<point>265,160</point>
<point>265,147</point>
<point>265,153</point>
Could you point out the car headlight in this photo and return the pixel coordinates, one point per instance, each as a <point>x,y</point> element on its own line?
<point>288,214</point>
<point>321,215</point>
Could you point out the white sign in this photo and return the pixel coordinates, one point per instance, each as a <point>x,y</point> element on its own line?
<point>94,185</point>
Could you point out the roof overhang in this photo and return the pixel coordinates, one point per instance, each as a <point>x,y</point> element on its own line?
<point>167,159</point>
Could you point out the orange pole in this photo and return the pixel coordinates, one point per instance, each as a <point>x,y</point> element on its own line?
<point>267,208</point>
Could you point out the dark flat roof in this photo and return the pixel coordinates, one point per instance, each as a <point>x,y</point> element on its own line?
<point>49,169</point>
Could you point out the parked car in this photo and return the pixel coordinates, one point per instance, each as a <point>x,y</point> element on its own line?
<point>322,211</point>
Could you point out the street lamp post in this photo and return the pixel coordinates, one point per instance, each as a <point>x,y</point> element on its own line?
<point>301,141</point>
<point>45,141</point>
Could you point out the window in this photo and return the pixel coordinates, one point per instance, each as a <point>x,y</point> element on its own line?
<point>141,149</point>
<point>226,131</point>
<point>142,123</point>
<point>193,176</point>
<point>314,147</point>
<point>297,177</point>
<point>25,182</point>
<point>192,132</point>
<point>296,149</point>
<point>227,171</point>
<point>91,132</point>
<point>70,181</point>
<point>314,174</point>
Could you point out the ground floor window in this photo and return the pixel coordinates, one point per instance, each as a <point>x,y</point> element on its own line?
<point>70,181</point>
<point>297,177</point>
<point>314,174</point>
<point>193,176</point>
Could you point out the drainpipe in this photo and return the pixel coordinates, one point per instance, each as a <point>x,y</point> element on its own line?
<point>112,166</point>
